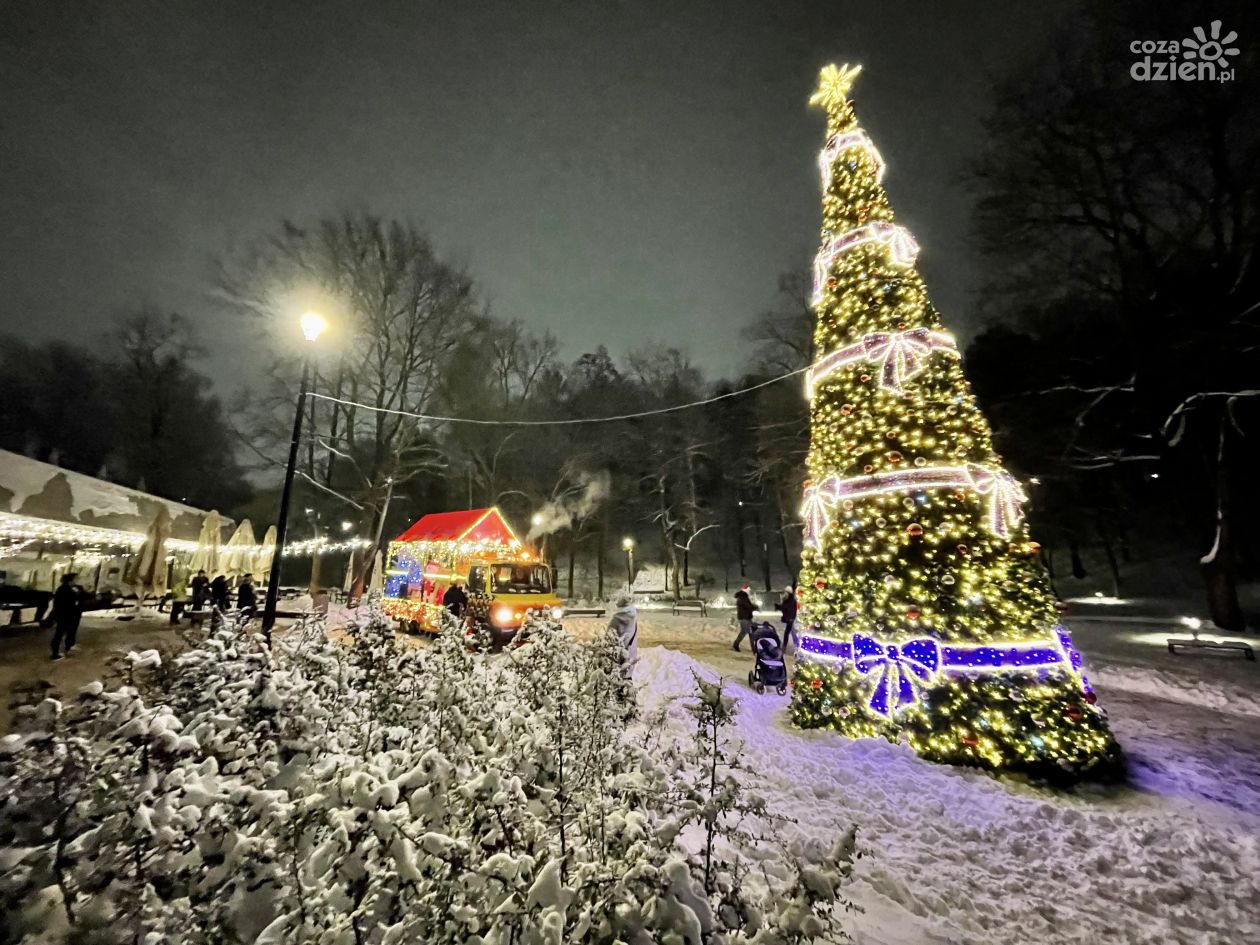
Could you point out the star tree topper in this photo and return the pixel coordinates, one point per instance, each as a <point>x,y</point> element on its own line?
<point>833,86</point>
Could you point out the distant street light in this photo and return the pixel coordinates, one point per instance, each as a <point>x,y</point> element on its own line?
<point>313,325</point>
<point>537,519</point>
<point>346,526</point>
<point>628,544</point>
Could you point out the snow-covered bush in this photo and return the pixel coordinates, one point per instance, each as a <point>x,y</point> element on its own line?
<point>356,788</point>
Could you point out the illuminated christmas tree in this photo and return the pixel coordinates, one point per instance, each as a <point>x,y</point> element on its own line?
<point>929,615</point>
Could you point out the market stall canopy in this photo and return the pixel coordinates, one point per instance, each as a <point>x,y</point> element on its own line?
<point>470,525</point>
<point>38,498</point>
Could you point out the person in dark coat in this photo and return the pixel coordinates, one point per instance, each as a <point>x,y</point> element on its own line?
<point>787,613</point>
<point>744,614</point>
<point>200,587</point>
<point>220,592</point>
<point>455,600</point>
<point>67,611</point>
<point>246,598</point>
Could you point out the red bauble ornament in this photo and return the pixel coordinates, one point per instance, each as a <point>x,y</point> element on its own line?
<point>1091,698</point>
<point>868,468</point>
<point>815,683</point>
<point>1073,713</point>
<point>864,378</point>
<point>915,530</point>
<point>970,741</point>
<point>964,550</point>
<point>820,584</point>
<point>894,457</point>
<point>913,613</point>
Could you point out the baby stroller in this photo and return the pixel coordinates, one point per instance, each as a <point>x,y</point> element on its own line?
<point>768,668</point>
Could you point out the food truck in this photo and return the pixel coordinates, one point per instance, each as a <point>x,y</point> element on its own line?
<point>506,582</point>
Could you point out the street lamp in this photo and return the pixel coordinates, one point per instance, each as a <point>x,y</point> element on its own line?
<point>312,325</point>
<point>628,545</point>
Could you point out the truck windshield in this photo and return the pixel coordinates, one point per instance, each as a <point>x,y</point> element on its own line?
<point>520,579</point>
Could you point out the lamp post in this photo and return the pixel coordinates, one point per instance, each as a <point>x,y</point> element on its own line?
<point>312,327</point>
<point>628,545</point>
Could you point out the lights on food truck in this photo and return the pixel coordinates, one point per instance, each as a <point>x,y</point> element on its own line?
<point>502,615</point>
<point>557,613</point>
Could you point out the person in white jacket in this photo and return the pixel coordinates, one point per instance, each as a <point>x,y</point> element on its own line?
<point>625,623</point>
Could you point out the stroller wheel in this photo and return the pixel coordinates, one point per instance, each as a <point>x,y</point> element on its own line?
<point>752,680</point>
<point>760,687</point>
<point>783,690</point>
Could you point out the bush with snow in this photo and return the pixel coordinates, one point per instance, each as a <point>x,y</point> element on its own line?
<point>366,790</point>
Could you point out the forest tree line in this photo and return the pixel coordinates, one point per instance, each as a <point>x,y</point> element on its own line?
<point>1118,222</point>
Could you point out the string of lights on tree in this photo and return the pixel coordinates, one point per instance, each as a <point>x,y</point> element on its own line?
<point>930,617</point>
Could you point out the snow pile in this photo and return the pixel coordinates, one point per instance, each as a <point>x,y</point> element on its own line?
<point>1174,687</point>
<point>366,792</point>
<point>960,856</point>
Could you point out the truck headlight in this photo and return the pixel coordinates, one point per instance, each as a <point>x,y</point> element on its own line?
<point>502,615</point>
<point>557,613</point>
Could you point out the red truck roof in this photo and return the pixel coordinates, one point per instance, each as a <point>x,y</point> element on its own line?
<point>486,525</point>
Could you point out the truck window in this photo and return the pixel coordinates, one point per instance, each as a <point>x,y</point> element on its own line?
<point>520,579</point>
<point>476,581</point>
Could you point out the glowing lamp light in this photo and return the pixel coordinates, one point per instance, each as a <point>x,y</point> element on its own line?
<point>502,615</point>
<point>557,613</point>
<point>313,325</point>
<point>537,519</point>
<point>1194,623</point>
<point>627,544</point>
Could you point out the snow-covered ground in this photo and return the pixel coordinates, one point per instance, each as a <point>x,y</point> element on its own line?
<point>958,856</point>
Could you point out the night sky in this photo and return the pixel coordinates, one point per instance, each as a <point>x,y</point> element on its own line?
<point>620,173</point>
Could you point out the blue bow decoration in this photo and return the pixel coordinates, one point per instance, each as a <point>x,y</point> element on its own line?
<point>902,668</point>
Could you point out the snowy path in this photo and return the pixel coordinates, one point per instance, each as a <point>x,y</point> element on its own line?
<point>960,857</point>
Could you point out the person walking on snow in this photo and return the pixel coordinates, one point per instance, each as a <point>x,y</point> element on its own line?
<point>219,592</point>
<point>787,612</point>
<point>455,600</point>
<point>65,614</point>
<point>200,590</point>
<point>744,614</point>
<point>246,599</point>
<point>625,623</point>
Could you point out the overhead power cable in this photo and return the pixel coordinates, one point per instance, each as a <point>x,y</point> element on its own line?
<point>557,423</point>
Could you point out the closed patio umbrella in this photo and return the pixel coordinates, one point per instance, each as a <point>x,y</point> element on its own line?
<point>262,559</point>
<point>376,584</point>
<point>206,557</point>
<point>238,554</point>
<point>148,573</point>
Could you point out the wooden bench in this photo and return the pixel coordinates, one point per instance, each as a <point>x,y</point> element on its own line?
<point>1194,643</point>
<point>692,604</point>
<point>584,611</point>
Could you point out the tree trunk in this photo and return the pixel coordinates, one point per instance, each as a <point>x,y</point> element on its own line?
<point>787,558</point>
<point>599,555</point>
<point>1078,566</point>
<point>765,551</point>
<point>1218,564</point>
<point>1112,563</point>
<point>739,536</point>
<point>572,556</point>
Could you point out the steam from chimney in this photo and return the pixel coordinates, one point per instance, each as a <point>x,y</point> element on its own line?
<point>564,512</point>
